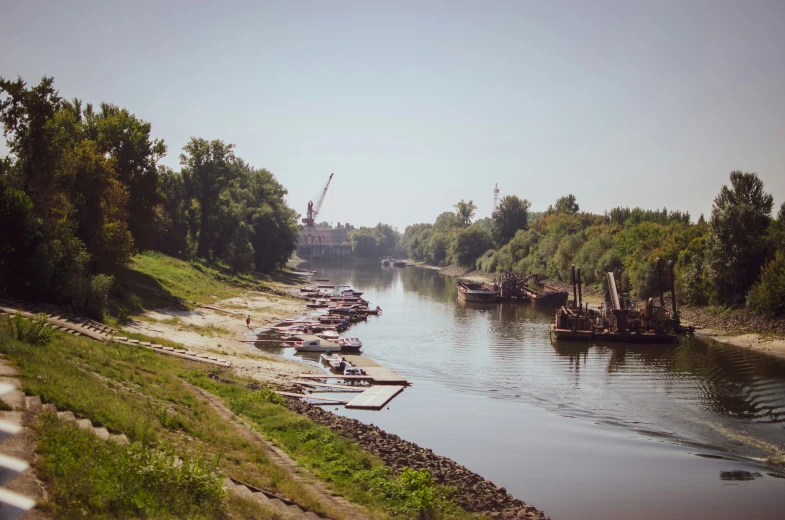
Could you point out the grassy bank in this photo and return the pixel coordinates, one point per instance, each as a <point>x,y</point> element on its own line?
<point>134,391</point>
<point>154,280</point>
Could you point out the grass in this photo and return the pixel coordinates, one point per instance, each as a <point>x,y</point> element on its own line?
<point>351,471</point>
<point>88,476</point>
<point>154,280</point>
<point>134,391</point>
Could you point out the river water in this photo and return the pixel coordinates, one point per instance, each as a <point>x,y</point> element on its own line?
<point>581,431</point>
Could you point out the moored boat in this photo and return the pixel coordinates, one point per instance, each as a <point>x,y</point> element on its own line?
<point>476,292</point>
<point>350,344</point>
<point>316,345</point>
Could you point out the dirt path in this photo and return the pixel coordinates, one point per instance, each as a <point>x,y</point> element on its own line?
<point>336,505</point>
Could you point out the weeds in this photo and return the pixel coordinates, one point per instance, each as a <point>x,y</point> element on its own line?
<point>35,331</point>
<point>92,478</point>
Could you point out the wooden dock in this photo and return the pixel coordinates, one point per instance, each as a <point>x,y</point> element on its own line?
<point>339,388</point>
<point>375,398</point>
<point>381,375</point>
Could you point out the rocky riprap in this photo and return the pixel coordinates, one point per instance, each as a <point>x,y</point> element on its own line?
<point>474,493</point>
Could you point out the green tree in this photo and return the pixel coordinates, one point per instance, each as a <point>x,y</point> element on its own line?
<point>465,211</point>
<point>126,139</point>
<point>768,295</point>
<point>566,204</point>
<point>736,245</point>
<point>510,216</point>
<point>207,170</point>
<point>469,244</point>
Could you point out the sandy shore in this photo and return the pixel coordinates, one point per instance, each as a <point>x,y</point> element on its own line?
<point>219,329</point>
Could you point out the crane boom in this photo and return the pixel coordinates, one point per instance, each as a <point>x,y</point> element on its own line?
<point>313,209</point>
<point>318,206</point>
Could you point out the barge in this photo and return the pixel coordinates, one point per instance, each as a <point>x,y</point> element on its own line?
<point>477,292</point>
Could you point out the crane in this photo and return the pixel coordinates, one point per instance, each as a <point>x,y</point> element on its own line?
<point>310,234</point>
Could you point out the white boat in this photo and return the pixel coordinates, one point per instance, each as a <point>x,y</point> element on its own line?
<point>315,345</point>
<point>350,344</point>
<point>329,334</point>
<point>335,361</point>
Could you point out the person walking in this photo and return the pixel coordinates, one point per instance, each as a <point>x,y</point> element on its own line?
<point>248,321</point>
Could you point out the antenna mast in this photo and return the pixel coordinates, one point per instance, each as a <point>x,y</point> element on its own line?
<point>495,196</point>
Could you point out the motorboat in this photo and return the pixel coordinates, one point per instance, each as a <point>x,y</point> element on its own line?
<point>350,344</point>
<point>316,345</point>
<point>335,361</point>
<point>353,371</point>
<point>329,334</point>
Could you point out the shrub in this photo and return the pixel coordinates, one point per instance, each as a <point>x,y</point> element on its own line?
<point>768,295</point>
<point>34,331</point>
<point>413,494</point>
<point>98,294</point>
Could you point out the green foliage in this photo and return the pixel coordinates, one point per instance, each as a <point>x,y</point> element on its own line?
<point>374,242</point>
<point>567,204</point>
<point>95,478</point>
<point>34,331</point>
<point>510,216</point>
<point>465,211</point>
<point>468,244</point>
<point>413,494</point>
<point>768,294</point>
<point>736,245</point>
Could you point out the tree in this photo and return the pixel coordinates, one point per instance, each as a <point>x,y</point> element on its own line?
<point>736,245</point>
<point>566,204</point>
<point>469,244</point>
<point>465,211</point>
<point>126,139</point>
<point>768,295</point>
<point>207,170</point>
<point>510,215</point>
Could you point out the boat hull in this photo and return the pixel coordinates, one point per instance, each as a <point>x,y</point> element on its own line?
<point>571,335</point>
<point>475,295</point>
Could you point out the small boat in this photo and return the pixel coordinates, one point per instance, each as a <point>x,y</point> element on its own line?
<point>399,263</point>
<point>335,361</point>
<point>353,371</point>
<point>315,345</point>
<point>385,262</point>
<point>316,305</point>
<point>307,289</point>
<point>341,311</point>
<point>321,279</point>
<point>350,344</point>
<point>329,334</point>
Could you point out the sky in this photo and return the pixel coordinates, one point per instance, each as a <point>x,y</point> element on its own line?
<point>417,105</point>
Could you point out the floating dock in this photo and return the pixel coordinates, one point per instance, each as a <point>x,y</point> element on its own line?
<point>381,375</point>
<point>375,398</point>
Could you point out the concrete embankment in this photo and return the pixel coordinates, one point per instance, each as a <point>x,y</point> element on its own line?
<point>474,493</point>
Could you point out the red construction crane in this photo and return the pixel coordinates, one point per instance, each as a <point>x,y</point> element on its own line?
<point>310,234</point>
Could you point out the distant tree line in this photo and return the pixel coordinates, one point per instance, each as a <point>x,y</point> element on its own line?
<point>82,190</point>
<point>736,258</point>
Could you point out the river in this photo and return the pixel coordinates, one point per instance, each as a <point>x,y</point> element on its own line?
<point>581,431</point>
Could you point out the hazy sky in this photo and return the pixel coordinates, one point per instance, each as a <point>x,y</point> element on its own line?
<point>416,105</point>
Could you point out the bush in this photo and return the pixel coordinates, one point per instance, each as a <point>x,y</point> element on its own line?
<point>34,331</point>
<point>768,295</point>
<point>98,294</point>
<point>97,478</point>
<point>413,494</point>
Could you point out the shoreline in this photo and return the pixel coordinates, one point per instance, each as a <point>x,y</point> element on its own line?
<point>709,326</point>
<point>474,493</point>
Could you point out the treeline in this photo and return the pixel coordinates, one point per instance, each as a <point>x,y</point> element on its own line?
<point>81,191</point>
<point>736,258</point>
<point>373,242</point>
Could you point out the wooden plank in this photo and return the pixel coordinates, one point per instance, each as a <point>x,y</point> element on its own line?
<point>344,388</point>
<point>308,396</point>
<point>375,398</point>
<point>333,376</point>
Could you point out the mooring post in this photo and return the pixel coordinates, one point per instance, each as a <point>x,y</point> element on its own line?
<point>673,287</point>
<point>580,293</point>
<point>574,292</point>
<point>659,281</point>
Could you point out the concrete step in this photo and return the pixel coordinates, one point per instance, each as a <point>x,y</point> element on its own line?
<point>33,403</point>
<point>49,408</point>
<point>102,433</point>
<point>85,424</point>
<point>66,416</point>
<point>119,438</point>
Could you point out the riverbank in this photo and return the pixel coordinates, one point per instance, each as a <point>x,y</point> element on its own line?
<point>738,327</point>
<point>220,328</point>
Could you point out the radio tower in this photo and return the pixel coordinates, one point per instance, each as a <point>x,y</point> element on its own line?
<point>495,196</point>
